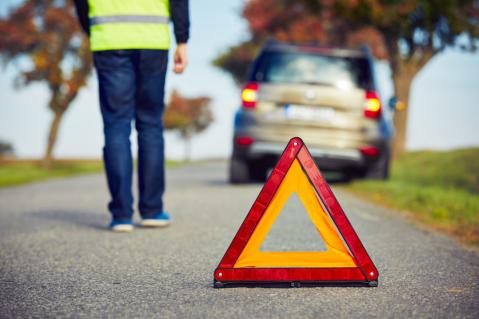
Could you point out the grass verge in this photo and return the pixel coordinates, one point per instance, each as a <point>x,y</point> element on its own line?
<point>439,189</point>
<point>16,172</point>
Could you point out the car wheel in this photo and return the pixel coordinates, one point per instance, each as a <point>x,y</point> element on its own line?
<point>239,172</point>
<point>347,176</point>
<point>379,168</point>
<point>257,171</point>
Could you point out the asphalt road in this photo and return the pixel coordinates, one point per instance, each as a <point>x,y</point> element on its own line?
<point>58,260</point>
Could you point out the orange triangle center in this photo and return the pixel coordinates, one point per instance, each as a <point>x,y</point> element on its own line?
<point>336,254</point>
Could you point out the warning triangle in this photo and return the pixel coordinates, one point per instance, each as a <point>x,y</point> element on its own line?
<point>344,261</point>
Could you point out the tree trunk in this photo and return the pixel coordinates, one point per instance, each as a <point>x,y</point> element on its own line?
<point>187,148</point>
<point>402,86</point>
<point>404,72</point>
<point>52,139</point>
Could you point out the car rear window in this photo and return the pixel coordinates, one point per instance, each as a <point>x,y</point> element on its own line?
<point>311,68</point>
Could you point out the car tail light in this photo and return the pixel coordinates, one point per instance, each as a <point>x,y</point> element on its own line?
<point>244,140</point>
<point>369,151</point>
<point>372,108</point>
<point>249,95</point>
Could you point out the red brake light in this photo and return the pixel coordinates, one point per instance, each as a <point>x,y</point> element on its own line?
<point>369,151</point>
<point>249,95</point>
<point>372,107</point>
<point>244,140</point>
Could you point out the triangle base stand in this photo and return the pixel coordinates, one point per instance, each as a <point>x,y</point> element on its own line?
<point>291,277</point>
<point>293,284</point>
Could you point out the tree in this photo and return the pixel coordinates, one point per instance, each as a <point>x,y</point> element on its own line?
<point>188,116</point>
<point>43,37</point>
<point>414,31</point>
<point>407,33</point>
<point>6,149</point>
<point>294,21</point>
<point>236,60</point>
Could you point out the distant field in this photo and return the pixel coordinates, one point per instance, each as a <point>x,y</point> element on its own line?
<point>440,189</point>
<point>15,172</point>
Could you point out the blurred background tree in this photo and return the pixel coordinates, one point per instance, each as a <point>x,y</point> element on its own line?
<point>414,31</point>
<point>6,149</point>
<point>44,40</point>
<point>406,33</point>
<point>188,116</point>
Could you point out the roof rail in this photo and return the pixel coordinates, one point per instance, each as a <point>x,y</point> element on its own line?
<point>275,45</point>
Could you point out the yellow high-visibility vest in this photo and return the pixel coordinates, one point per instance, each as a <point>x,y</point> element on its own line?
<point>129,24</point>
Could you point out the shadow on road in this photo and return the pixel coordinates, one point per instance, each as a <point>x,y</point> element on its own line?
<point>82,219</point>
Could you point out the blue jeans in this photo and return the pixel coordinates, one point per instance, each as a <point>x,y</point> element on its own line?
<point>132,84</point>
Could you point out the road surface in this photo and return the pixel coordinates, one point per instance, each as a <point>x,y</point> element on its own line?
<point>58,260</point>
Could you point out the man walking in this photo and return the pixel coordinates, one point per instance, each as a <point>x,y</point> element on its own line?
<point>130,42</point>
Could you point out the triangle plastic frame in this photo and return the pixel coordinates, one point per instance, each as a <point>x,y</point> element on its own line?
<point>364,274</point>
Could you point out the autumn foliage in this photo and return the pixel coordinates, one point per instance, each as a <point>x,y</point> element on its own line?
<point>299,21</point>
<point>188,116</point>
<point>44,38</point>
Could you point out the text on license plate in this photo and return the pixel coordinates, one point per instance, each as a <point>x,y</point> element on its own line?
<point>308,113</point>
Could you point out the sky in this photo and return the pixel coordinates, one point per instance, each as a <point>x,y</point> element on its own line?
<point>443,110</point>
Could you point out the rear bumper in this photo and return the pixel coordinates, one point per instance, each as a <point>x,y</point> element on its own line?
<point>327,158</point>
<point>261,148</point>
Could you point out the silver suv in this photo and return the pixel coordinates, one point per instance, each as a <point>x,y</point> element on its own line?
<point>326,96</point>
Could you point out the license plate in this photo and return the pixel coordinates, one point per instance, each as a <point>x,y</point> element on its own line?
<point>309,113</point>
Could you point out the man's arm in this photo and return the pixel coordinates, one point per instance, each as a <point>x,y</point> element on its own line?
<point>81,8</point>
<point>179,11</point>
<point>180,16</point>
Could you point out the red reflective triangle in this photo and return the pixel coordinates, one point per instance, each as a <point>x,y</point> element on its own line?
<point>365,271</point>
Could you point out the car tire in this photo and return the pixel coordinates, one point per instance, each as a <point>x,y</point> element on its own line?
<point>257,171</point>
<point>238,171</point>
<point>380,168</point>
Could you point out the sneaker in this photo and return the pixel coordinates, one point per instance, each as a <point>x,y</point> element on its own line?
<point>121,226</point>
<point>162,219</point>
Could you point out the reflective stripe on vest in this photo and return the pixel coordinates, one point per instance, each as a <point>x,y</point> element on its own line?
<point>129,19</point>
<point>127,24</point>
